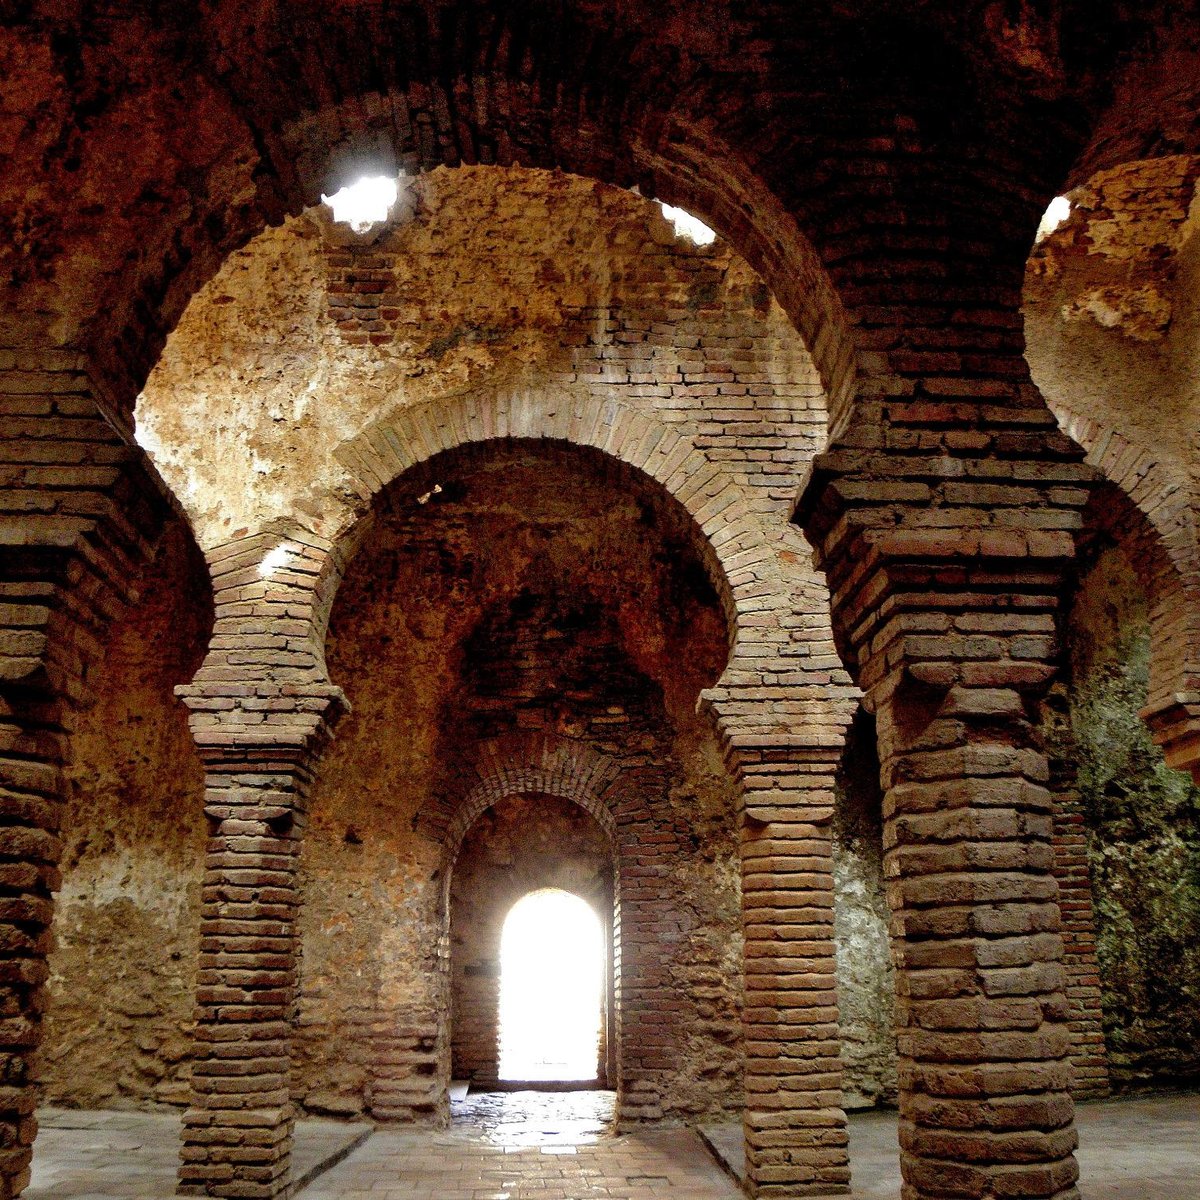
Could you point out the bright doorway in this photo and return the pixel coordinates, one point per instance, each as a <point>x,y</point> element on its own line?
<point>552,958</point>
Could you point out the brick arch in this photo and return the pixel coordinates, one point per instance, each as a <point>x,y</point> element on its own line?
<point>530,763</point>
<point>1147,509</point>
<point>545,765</point>
<point>283,93</point>
<point>289,102</point>
<point>717,511</point>
<point>1150,110</point>
<point>234,117</point>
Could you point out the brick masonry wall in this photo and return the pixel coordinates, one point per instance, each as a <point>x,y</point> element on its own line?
<point>1089,1058</point>
<point>740,410</point>
<point>735,358</point>
<point>917,194</point>
<point>674,360</point>
<point>78,517</point>
<point>1072,868</point>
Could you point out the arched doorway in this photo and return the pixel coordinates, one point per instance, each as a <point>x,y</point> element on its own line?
<point>518,962</point>
<point>552,970</point>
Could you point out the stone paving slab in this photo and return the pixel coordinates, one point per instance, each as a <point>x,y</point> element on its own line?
<point>99,1154</point>
<point>1140,1148</point>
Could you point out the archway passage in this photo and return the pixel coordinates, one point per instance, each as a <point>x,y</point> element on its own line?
<point>552,970</point>
<point>510,595</point>
<point>521,846</point>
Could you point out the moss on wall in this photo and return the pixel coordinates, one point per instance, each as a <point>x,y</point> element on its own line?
<point>1144,837</point>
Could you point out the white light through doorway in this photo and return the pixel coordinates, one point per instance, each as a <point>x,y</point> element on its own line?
<point>551,987</point>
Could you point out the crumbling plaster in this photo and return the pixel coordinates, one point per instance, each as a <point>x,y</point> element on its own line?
<point>483,277</point>
<point>1110,312</point>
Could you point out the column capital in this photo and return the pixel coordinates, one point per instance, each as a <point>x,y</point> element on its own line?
<point>935,555</point>
<point>766,736</point>
<point>235,723</point>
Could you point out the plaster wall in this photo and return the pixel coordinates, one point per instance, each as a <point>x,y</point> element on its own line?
<point>126,934</point>
<point>1110,311</point>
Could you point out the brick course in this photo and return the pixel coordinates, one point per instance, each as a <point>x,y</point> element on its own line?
<point>889,225</point>
<point>78,517</point>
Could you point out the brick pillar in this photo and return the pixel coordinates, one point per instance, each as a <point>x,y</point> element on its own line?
<point>78,515</point>
<point>33,746</point>
<point>795,1128</point>
<point>262,709</point>
<point>648,1026</point>
<point>1089,1056</point>
<point>237,1133</point>
<point>945,526</point>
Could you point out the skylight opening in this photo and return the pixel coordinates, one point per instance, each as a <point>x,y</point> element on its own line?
<point>551,989</point>
<point>1056,213</point>
<point>365,203</point>
<point>687,226</point>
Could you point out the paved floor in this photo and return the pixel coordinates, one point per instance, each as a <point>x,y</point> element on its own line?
<point>556,1146</point>
<point>534,1118</point>
<point>1145,1148</point>
<point>97,1154</point>
<point>529,1146</point>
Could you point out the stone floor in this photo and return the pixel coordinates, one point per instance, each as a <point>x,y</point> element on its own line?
<point>574,1118</point>
<point>97,1154</point>
<point>556,1146</point>
<point>529,1146</point>
<point>1144,1148</point>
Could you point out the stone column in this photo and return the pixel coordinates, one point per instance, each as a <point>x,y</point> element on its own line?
<point>78,515</point>
<point>945,526</point>
<point>795,1128</point>
<point>262,710</point>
